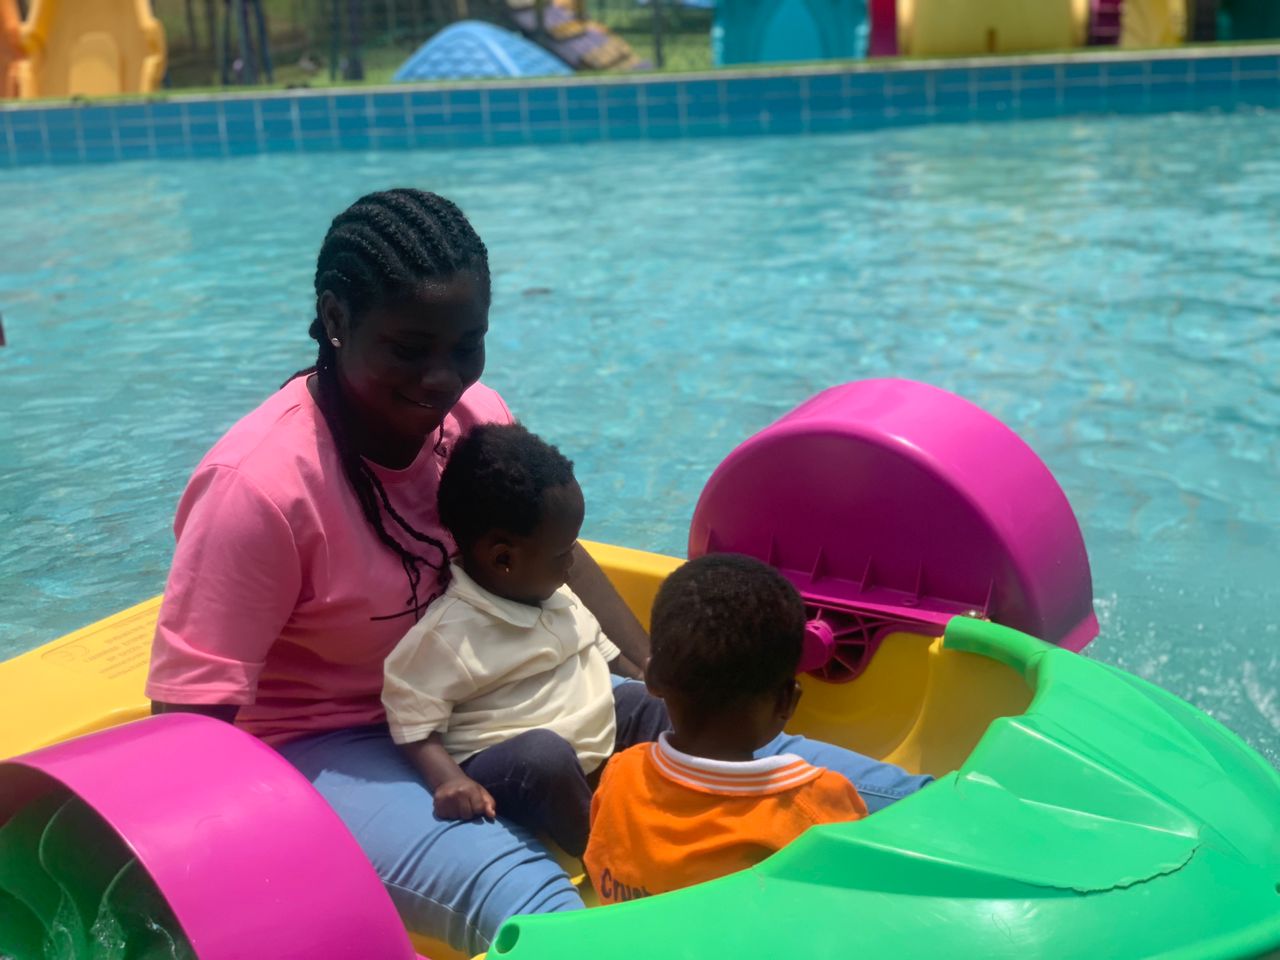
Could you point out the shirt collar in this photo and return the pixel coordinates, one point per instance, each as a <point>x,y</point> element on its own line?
<point>517,614</point>
<point>762,776</point>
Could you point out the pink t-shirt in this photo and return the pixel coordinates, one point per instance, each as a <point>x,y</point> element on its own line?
<point>281,597</point>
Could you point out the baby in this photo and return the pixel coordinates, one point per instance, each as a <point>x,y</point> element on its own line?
<point>501,695</point>
<point>725,642</point>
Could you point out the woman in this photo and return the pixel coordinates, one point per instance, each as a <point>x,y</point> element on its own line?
<point>308,543</point>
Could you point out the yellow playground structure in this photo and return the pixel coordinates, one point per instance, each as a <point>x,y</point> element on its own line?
<point>87,48</point>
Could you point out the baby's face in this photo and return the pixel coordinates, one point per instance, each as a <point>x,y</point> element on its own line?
<point>540,562</point>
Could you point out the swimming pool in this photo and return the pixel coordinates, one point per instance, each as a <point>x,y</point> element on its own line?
<point>1109,287</point>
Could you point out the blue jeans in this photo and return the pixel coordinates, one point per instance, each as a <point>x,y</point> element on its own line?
<point>458,880</point>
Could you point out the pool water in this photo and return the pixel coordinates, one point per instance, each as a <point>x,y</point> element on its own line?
<point>1108,287</point>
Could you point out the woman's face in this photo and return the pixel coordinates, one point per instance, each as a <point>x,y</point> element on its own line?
<point>404,364</point>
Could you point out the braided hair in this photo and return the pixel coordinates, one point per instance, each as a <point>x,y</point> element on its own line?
<point>384,246</point>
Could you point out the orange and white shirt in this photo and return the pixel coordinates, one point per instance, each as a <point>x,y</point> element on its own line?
<point>662,819</point>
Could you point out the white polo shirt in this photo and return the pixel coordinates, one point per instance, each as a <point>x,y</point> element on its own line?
<point>479,669</point>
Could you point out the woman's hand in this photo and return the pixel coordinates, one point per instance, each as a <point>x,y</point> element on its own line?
<point>464,799</point>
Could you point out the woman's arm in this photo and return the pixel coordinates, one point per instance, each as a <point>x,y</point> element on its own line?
<point>219,711</point>
<point>620,625</point>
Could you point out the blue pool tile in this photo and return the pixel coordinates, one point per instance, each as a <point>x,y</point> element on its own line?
<point>1169,71</point>
<point>467,117</point>
<point>582,114</point>
<point>784,88</point>
<point>206,147</point>
<point>1128,100</point>
<point>427,101</point>
<point>279,145</point>
<point>622,95</point>
<point>664,131</point>
<point>993,76</point>
<point>703,109</point>
<point>1084,100</point>
<point>1039,93</point>
<point>835,122</point>
<point>275,107</point>
<point>503,99</point>
<point>951,97</point>
<point>239,110</point>
<point>826,85</point>
<point>463,99</point>
<point>664,92</point>
<point>1125,72</point>
<point>356,141</point>
<point>744,107</point>
<point>26,119</point>
<point>702,91</point>
<point>994,99</point>
<point>160,112</point>
<point>784,123</point>
<point>350,105</point>
<point>202,109</point>
<point>549,113</point>
<point>662,112</point>
<point>868,83</point>
<point>1213,66</point>
<point>314,106</point>
<point>578,94</point>
<point>277,127</point>
<point>205,131</point>
<point>390,119</point>
<point>318,144</point>
<point>243,147</point>
<point>135,150</point>
<point>388,103</point>
<point>581,133</point>
<point>1036,75</point>
<point>352,123</point>
<point>704,128</point>
<point>60,118</point>
<point>507,135</point>
<point>133,113</point>
<point>543,133</point>
<point>392,139</point>
<point>953,79</point>
<point>315,123</point>
<point>1082,74</point>
<point>542,96</point>
<point>622,115</point>
<point>170,148</point>
<point>1262,66</point>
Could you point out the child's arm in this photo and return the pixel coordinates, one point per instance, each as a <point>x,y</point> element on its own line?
<point>457,796</point>
<point>622,667</point>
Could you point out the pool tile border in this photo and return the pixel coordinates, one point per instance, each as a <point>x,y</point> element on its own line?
<point>818,98</point>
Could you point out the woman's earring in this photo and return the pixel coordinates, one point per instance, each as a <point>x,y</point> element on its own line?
<point>335,341</point>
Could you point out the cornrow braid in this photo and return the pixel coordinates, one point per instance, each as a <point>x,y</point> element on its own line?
<point>383,246</point>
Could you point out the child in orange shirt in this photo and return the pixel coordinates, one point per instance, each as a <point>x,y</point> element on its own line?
<point>726,638</point>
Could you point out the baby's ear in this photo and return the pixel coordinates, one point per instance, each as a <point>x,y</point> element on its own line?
<point>651,683</point>
<point>789,698</point>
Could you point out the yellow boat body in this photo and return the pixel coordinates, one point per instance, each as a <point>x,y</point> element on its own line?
<point>917,704</point>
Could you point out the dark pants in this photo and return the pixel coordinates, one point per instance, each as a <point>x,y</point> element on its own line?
<point>535,777</point>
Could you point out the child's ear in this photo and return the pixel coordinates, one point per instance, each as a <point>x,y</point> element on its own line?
<point>500,555</point>
<point>788,699</point>
<point>651,682</point>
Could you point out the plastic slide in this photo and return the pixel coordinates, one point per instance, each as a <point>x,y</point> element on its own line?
<point>946,28</point>
<point>91,48</point>
<point>1153,23</point>
<point>772,31</point>
<point>10,47</point>
<point>471,48</point>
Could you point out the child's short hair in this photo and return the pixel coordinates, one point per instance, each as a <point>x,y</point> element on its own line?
<point>725,628</point>
<point>496,479</point>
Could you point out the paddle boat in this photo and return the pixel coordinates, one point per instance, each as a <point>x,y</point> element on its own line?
<point>1078,811</point>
